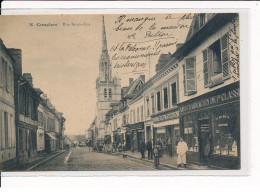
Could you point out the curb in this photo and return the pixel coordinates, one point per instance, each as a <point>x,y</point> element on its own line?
<point>46,160</point>
<point>145,160</point>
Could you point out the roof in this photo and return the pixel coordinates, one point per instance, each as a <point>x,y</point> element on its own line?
<point>130,91</point>
<point>194,27</point>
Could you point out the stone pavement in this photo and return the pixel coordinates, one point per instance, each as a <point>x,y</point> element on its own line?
<point>27,165</point>
<point>170,162</point>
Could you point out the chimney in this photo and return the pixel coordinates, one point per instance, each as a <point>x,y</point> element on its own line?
<point>28,77</point>
<point>143,78</point>
<point>131,81</point>
<point>17,55</point>
<point>179,45</point>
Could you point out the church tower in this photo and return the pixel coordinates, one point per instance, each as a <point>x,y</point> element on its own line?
<point>108,88</point>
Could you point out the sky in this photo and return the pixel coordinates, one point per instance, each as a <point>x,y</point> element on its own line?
<point>64,59</point>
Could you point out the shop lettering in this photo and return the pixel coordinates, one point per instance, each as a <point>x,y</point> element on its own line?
<point>212,100</point>
<point>167,116</point>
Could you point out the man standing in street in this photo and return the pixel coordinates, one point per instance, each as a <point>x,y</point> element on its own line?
<point>182,148</point>
<point>149,149</point>
<point>142,149</point>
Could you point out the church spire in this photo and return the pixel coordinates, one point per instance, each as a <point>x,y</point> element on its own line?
<point>104,39</point>
<point>105,71</point>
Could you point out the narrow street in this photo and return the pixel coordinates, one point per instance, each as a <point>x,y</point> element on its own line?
<point>83,159</point>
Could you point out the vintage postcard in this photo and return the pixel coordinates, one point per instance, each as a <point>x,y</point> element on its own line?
<point>120,92</point>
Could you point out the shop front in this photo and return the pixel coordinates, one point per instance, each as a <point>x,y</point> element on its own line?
<point>118,140</point>
<point>50,142</point>
<point>134,136</point>
<point>40,141</point>
<point>166,131</point>
<point>214,118</point>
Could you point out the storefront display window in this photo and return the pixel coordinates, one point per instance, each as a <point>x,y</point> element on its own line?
<point>190,133</point>
<point>225,134</point>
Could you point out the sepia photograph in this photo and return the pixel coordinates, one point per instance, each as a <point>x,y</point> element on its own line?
<point>120,92</point>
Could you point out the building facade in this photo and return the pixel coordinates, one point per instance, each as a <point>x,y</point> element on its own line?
<point>194,95</point>
<point>209,89</point>
<point>51,124</point>
<point>7,108</point>
<point>27,101</point>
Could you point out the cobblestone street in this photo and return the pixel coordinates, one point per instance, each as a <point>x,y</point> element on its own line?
<point>82,158</point>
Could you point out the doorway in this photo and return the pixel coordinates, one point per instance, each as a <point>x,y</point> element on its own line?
<point>205,135</point>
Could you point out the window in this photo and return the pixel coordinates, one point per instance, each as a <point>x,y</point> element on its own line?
<point>216,62</point>
<point>202,19</point>
<point>1,131</point>
<point>190,134</point>
<point>6,129</point>
<point>153,109</point>
<point>9,79</point>
<point>133,116</point>
<point>110,93</point>
<point>147,106</point>
<point>5,77</point>
<point>142,113</point>
<point>165,97</point>
<point>226,133</point>
<point>27,97</point>
<point>105,92</point>
<point>190,75</point>
<point>1,72</point>
<point>158,101</point>
<point>174,93</point>
<point>138,114</point>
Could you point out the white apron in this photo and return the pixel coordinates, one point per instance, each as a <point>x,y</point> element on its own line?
<point>181,151</point>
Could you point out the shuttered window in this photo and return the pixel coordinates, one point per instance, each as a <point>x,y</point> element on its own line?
<point>142,113</point>
<point>1,72</point>
<point>205,67</point>
<point>158,101</point>
<point>9,79</point>
<point>216,66</point>
<point>184,78</point>
<point>138,118</point>
<point>225,56</point>
<point>153,106</point>
<point>6,130</point>
<point>110,93</point>
<point>5,77</point>
<point>190,74</point>
<point>165,97</point>
<point>105,92</point>
<point>174,93</point>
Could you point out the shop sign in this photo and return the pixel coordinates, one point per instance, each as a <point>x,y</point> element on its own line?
<point>167,116</point>
<point>217,99</point>
<point>223,120</point>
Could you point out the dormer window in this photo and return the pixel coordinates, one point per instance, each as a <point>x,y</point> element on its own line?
<point>202,19</point>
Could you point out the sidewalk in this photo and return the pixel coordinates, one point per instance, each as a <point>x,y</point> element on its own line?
<point>165,161</point>
<point>28,165</point>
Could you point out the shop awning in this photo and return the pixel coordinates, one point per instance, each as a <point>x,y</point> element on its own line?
<point>51,136</point>
<point>165,123</point>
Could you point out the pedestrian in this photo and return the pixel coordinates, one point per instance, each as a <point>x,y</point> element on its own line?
<point>159,145</point>
<point>142,149</point>
<point>182,148</point>
<point>156,156</point>
<point>149,149</point>
<point>169,147</point>
<point>207,152</point>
